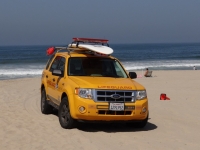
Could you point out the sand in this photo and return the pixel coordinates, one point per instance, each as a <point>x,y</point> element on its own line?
<point>173,124</point>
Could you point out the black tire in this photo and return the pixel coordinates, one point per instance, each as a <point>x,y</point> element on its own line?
<point>65,119</point>
<point>45,107</point>
<point>140,124</point>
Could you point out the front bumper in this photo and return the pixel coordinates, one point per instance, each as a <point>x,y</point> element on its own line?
<point>89,110</point>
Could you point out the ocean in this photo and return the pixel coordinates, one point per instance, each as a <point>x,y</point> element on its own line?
<point>29,61</point>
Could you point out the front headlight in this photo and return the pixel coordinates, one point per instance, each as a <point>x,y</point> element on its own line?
<point>141,95</point>
<point>84,93</point>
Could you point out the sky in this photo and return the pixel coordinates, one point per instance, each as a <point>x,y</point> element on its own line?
<point>44,22</point>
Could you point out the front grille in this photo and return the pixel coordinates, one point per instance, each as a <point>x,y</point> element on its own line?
<point>107,112</point>
<point>106,96</point>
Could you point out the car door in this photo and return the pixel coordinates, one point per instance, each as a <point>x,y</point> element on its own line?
<point>52,80</point>
<point>60,80</point>
<point>46,75</point>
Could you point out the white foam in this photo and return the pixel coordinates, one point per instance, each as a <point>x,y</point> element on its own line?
<point>20,70</point>
<point>19,73</point>
<point>161,64</point>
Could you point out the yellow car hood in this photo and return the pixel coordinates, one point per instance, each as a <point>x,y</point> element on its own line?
<point>107,83</point>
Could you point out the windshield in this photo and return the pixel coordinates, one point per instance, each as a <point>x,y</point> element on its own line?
<point>99,67</point>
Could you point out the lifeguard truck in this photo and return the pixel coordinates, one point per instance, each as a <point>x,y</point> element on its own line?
<point>86,83</point>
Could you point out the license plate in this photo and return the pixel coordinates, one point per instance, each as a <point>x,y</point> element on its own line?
<point>116,106</point>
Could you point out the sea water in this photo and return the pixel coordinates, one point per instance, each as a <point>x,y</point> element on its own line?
<point>29,61</point>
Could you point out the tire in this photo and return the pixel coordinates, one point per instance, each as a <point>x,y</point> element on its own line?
<point>140,124</point>
<point>45,107</point>
<point>65,119</point>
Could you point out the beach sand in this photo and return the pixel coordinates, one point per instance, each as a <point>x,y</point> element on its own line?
<point>173,124</point>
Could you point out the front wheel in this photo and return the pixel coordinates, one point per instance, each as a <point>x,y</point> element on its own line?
<point>140,124</point>
<point>65,119</point>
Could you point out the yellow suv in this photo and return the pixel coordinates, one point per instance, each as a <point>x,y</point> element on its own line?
<point>88,86</point>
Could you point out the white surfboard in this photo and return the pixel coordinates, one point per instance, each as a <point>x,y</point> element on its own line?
<point>95,48</point>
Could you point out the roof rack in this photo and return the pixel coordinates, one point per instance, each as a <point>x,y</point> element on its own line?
<point>89,40</point>
<point>51,50</point>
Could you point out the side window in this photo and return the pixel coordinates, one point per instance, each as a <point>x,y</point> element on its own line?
<point>55,63</point>
<point>61,65</point>
<point>49,61</point>
<point>119,70</point>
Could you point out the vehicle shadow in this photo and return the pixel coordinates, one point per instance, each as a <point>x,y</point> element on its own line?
<point>113,127</point>
<point>110,127</point>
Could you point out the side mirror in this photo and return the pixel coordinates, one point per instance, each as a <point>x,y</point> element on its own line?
<point>57,72</point>
<point>132,75</point>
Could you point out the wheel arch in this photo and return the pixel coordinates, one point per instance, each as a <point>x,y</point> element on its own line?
<point>71,103</point>
<point>42,88</point>
<point>64,95</point>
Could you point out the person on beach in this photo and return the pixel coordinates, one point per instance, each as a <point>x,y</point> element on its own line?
<point>146,72</point>
<point>194,68</point>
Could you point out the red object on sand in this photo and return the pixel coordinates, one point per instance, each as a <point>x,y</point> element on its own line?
<point>50,50</point>
<point>164,97</point>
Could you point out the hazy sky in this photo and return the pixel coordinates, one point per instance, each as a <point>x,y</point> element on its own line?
<point>32,22</point>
